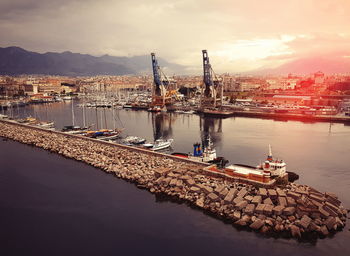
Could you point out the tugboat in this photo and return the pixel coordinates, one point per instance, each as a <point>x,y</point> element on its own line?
<point>207,156</point>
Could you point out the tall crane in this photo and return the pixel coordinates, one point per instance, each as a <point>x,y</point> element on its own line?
<point>211,82</point>
<point>161,83</point>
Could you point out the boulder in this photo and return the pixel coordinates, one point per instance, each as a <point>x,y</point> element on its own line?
<point>330,211</point>
<point>291,201</point>
<point>237,200</point>
<point>324,231</point>
<point>331,198</point>
<point>323,212</point>
<point>277,210</point>
<point>305,221</point>
<point>332,206</point>
<point>313,226</point>
<point>330,222</point>
<point>256,200</point>
<point>293,195</point>
<point>272,193</point>
<point>213,197</point>
<point>339,222</point>
<point>316,198</point>
<point>242,204</point>
<point>288,211</point>
<point>262,192</point>
<point>268,209</point>
<point>249,198</point>
<point>280,192</point>
<point>207,189</point>
<point>223,193</point>
<point>240,222</point>
<point>161,172</point>
<point>260,208</point>
<point>230,195</point>
<point>236,215</point>
<point>219,188</point>
<point>195,189</point>
<point>268,201</point>
<point>200,202</point>
<point>173,182</point>
<point>250,209</point>
<point>282,201</point>
<point>190,182</point>
<point>257,224</point>
<point>179,183</point>
<point>295,231</point>
<point>242,192</point>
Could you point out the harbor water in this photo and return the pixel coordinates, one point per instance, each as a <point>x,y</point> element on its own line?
<point>53,205</point>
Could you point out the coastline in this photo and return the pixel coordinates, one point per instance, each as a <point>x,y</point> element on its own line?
<point>241,204</point>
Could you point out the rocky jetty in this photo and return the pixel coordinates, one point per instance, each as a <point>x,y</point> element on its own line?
<point>295,210</point>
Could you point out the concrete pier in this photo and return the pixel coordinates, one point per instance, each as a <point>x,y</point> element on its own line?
<point>297,210</point>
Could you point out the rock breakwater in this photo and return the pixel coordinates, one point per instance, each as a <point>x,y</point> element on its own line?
<point>295,210</point>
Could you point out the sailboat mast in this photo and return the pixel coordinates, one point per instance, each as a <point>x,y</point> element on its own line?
<point>84,121</point>
<point>73,118</point>
<point>113,118</point>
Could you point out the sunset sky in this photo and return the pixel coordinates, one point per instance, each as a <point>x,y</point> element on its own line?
<point>239,35</point>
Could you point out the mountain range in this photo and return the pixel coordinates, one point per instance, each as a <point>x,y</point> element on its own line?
<point>308,65</point>
<point>16,61</point>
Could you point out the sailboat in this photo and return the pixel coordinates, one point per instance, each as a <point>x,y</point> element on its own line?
<point>74,129</point>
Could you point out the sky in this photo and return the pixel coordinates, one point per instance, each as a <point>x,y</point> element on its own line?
<point>240,35</point>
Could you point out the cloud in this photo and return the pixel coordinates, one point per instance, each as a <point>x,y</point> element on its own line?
<point>239,35</point>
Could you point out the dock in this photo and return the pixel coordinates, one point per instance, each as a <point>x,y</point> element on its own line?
<point>294,209</point>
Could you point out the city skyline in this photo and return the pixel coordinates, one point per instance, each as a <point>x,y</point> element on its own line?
<point>240,37</point>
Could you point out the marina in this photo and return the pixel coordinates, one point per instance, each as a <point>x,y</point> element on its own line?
<point>184,128</point>
<point>204,186</point>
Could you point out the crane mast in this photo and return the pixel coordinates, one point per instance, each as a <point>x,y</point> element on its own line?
<point>161,82</point>
<point>211,83</point>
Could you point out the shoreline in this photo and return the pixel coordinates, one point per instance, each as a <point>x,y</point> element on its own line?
<point>297,210</point>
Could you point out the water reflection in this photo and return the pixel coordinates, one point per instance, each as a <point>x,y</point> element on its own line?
<point>210,128</point>
<point>162,125</point>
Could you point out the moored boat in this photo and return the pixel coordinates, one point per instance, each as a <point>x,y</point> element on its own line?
<point>270,169</point>
<point>162,144</point>
<point>208,155</point>
<point>134,140</point>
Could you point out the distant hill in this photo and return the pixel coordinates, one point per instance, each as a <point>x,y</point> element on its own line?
<point>16,61</point>
<point>326,64</point>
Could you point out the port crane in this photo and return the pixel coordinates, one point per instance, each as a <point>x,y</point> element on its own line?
<point>212,83</point>
<point>160,95</point>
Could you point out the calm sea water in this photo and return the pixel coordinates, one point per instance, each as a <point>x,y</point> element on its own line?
<point>50,205</point>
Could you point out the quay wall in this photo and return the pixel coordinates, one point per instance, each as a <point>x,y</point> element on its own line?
<point>289,116</point>
<point>296,210</point>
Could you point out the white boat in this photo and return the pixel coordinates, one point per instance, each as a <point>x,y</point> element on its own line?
<point>189,112</point>
<point>161,144</point>
<point>46,124</point>
<point>148,145</point>
<point>134,140</point>
<point>67,98</point>
<point>111,136</point>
